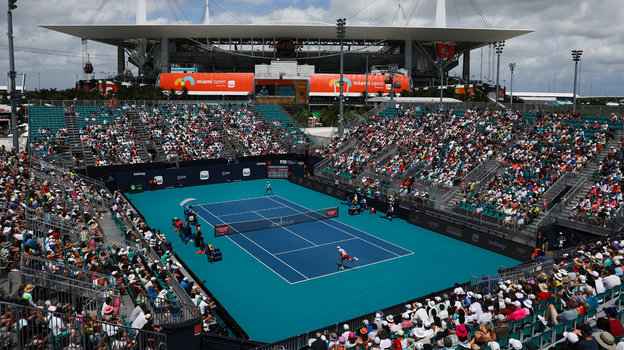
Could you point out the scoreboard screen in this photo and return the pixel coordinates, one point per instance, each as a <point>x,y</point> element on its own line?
<point>277,171</point>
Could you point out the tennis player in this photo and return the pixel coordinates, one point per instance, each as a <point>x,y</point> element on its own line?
<point>344,256</point>
<point>268,188</point>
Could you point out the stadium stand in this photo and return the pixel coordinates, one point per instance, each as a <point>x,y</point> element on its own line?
<point>278,117</point>
<point>83,287</point>
<point>554,302</point>
<point>48,132</point>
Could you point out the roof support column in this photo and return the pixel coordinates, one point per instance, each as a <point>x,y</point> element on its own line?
<point>466,68</point>
<point>121,60</point>
<point>164,55</point>
<point>409,50</point>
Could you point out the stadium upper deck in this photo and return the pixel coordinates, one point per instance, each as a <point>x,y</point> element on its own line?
<point>238,48</point>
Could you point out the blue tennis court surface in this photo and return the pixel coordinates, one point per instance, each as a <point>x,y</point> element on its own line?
<point>298,252</point>
<point>269,307</point>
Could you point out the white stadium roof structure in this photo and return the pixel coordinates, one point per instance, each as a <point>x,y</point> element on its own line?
<point>114,34</point>
<point>155,48</point>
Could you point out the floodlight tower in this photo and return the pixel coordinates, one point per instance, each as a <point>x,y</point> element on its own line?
<point>341,30</point>
<point>512,66</point>
<point>12,75</point>
<point>498,46</point>
<point>576,57</point>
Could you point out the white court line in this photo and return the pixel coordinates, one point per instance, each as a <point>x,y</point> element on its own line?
<point>231,201</point>
<point>282,227</point>
<point>252,211</point>
<point>350,234</point>
<point>353,268</point>
<point>318,245</point>
<point>252,241</point>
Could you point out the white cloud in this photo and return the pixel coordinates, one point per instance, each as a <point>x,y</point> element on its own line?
<point>595,27</point>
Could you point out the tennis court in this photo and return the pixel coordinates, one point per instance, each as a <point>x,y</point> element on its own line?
<point>302,251</point>
<point>258,295</point>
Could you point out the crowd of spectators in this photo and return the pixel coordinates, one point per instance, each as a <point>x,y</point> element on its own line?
<point>574,305</point>
<point>441,147</point>
<point>253,133</point>
<point>604,200</point>
<point>44,142</point>
<point>185,132</point>
<point>76,250</point>
<point>555,145</point>
<point>111,138</point>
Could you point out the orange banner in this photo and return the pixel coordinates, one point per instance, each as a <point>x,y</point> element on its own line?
<point>235,82</point>
<point>355,83</point>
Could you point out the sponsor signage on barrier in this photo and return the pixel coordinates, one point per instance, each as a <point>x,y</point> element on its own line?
<point>329,190</point>
<point>198,175</point>
<point>332,213</point>
<point>474,235</point>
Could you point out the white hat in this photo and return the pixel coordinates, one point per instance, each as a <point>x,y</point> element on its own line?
<point>558,276</point>
<point>595,273</point>
<point>528,303</point>
<point>517,304</point>
<point>515,344</point>
<point>419,332</point>
<point>470,294</point>
<point>345,327</point>
<point>571,337</point>
<point>582,278</point>
<point>598,256</point>
<point>494,345</point>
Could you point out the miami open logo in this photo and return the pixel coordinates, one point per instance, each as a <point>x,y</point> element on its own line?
<point>335,83</point>
<point>187,80</point>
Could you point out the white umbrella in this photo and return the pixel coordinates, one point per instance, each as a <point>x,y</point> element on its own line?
<point>188,200</point>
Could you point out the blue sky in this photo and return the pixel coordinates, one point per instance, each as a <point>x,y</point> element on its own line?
<point>542,58</point>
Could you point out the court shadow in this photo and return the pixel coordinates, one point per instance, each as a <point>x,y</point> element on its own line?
<point>345,267</point>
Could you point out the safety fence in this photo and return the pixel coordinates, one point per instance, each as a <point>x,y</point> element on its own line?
<point>37,328</point>
<point>301,340</point>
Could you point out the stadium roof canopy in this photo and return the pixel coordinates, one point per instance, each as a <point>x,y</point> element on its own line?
<point>114,33</point>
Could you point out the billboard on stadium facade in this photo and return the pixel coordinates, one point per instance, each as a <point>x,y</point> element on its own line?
<point>222,82</point>
<point>355,83</point>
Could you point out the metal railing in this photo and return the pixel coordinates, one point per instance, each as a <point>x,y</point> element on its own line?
<point>33,328</point>
<point>41,223</point>
<point>346,147</point>
<point>184,306</point>
<point>166,311</point>
<point>61,271</point>
<point>359,119</point>
<point>514,274</point>
<point>66,291</point>
<point>301,340</point>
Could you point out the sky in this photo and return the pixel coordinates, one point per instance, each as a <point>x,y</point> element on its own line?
<point>543,59</point>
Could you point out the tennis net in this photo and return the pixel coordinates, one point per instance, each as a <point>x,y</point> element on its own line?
<point>263,224</point>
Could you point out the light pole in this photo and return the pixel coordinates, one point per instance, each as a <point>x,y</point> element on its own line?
<point>12,74</point>
<point>512,66</point>
<point>498,46</point>
<point>576,57</point>
<point>341,22</point>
